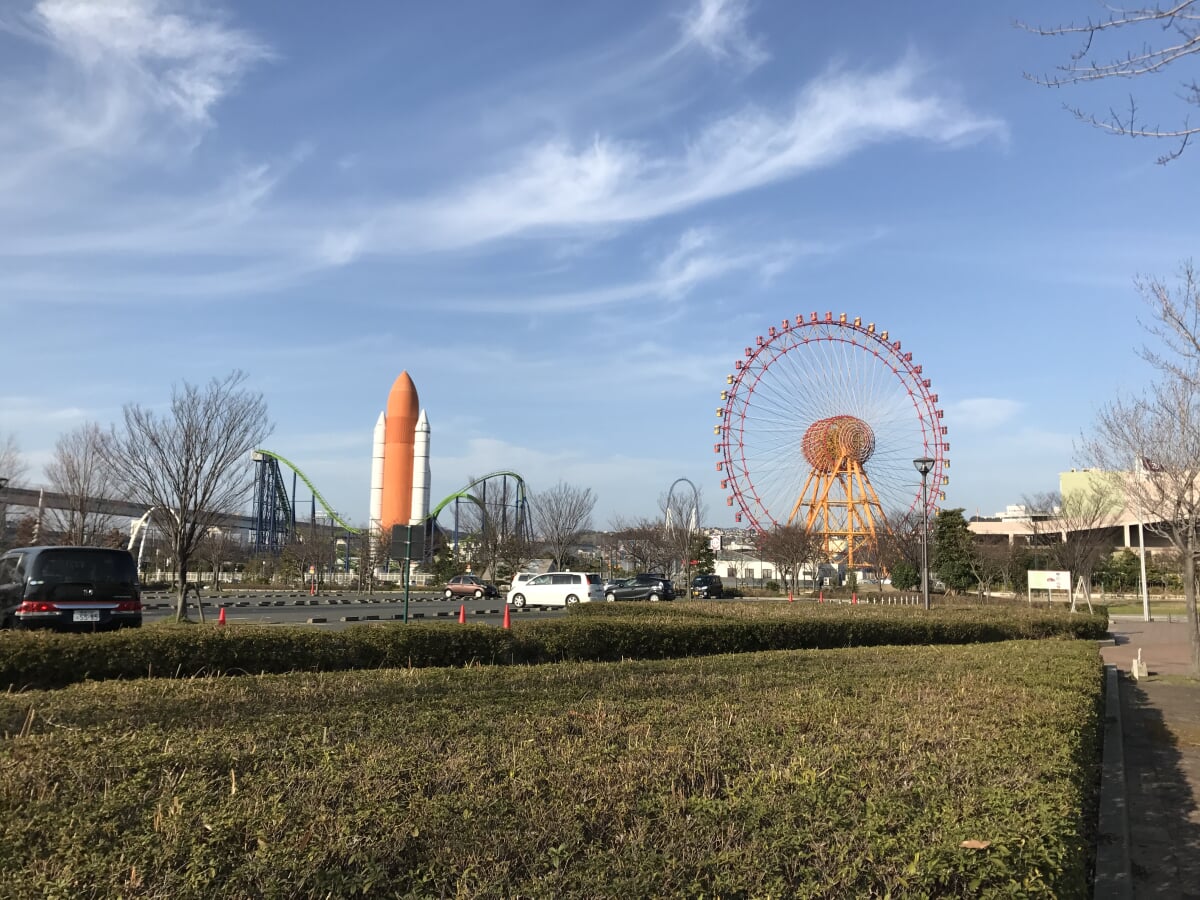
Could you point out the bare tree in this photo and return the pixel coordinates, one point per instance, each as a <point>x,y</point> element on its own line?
<point>644,542</point>
<point>789,548</point>
<point>682,514</point>
<point>561,514</point>
<point>1177,26</point>
<point>12,471</point>
<point>12,464</point>
<point>191,462</point>
<point>218,547</point>
<point>1072,529</point>
<point>901,540</point>
<point>77,471</point>
<point>988,561</point>
<point>495,526</point>
<point>1151,443</point>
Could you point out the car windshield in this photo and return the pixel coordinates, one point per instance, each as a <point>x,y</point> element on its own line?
<point>84,565</point>
<point>701,581</point>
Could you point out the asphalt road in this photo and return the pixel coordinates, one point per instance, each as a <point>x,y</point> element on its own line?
<point>338,611</point>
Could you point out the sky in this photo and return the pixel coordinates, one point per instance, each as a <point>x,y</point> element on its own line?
<point>566,221</point>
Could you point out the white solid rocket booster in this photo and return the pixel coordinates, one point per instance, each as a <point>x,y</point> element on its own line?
<point>420,490</point>
<point>377,445</point>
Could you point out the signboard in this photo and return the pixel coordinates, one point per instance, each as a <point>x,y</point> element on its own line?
<point>408,541</point>
<point>1049,581</point>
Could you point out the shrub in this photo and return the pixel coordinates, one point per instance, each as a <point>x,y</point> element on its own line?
<point>600,632</point>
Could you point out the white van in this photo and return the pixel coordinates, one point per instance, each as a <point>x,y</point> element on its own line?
<point>557,589</point>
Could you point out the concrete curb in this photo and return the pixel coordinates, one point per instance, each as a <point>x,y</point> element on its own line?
<point>1114,874</point>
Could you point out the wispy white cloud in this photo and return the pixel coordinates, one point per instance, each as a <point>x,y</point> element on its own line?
<point>123,70</point>
<point>719,26</point>
<point>556,185</point>
<point>126,76</point>
<point>699,257</point>
<point>983,412</point>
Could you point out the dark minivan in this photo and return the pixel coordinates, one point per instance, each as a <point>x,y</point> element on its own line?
<point>69,588</point>
<point>708,587</point>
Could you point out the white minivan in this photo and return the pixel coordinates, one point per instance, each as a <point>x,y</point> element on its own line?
<point>557,589</point>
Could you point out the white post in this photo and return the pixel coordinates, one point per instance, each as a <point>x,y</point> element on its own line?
<point>1142,562</point>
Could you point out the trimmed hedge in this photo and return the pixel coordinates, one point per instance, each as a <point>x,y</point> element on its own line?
<point>602,633</point>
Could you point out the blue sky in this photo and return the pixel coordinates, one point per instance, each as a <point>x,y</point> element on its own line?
<point>565,221</point>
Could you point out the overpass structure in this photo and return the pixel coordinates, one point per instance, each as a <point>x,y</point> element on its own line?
<point>43,499</point>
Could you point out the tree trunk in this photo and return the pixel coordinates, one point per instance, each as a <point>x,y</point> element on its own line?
<point>1189,597</point>
<point>181,599</point>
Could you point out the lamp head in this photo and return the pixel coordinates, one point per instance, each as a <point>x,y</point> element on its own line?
<point>924,465</point>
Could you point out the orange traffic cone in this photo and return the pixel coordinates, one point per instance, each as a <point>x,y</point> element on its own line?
<point>312,592</point>
<point>462,614</point>
<point>854,597</point>
<point>791,599</point>
<point>821,598</point>
<point>507,623</point>
<point>221,616</point>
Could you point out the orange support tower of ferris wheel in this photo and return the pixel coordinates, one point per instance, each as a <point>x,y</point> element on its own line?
<point>841,505</point>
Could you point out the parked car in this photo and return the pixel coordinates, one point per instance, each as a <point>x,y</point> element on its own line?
<point>520,578</point>
<point>69,589</point>
<point>708,587</point>
<point>647,586</point>
<point>469,586</point>
<point>557,589</point>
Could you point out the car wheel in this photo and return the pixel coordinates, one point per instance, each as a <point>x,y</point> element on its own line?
<point>610,597</point>
<point>572,599</point>
<point>478,594</point>
<point>654,598</point>
<point>449,594</point>
<point>518,601</point>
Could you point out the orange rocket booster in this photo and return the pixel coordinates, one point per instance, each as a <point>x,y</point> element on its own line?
<point>403,407</point>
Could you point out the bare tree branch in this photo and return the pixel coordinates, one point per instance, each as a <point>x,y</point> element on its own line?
<point>1180,21</point>
<point>561,514</point>
<point>1150,444</point>
<point>77,470</point>
<point>191,463</point>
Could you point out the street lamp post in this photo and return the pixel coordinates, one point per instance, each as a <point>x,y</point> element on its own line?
<point>924,465</point>
<point>3,512</point>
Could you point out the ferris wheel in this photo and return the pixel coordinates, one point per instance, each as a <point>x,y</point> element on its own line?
<point>821,423</point>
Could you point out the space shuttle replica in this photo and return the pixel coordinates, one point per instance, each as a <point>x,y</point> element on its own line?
<point>400,460</point>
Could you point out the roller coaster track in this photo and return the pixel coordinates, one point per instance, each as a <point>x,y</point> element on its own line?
<point>465,493</point>
<point>281,500</point>
<point>308,484</point>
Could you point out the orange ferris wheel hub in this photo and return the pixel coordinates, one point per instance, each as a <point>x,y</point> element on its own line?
<point>829,442</point>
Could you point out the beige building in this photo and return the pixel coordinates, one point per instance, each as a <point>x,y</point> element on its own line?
<point>1017,522</point>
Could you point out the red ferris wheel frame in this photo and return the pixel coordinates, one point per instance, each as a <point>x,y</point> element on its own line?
<point>748,373</point>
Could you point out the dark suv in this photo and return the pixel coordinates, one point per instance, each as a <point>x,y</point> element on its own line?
<point>69,588</point>
<point>647,586</point>
<point>708,587</point>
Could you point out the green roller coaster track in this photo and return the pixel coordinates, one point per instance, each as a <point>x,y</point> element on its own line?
<point>312,487</point>
<point>463,494</point>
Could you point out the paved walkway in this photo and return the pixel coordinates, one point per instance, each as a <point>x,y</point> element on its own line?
<point>1160,720</point>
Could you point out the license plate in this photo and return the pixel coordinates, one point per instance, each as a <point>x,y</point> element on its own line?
<point>87,615</point>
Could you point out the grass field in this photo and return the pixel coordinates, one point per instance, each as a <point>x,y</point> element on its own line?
<point>834,773</point>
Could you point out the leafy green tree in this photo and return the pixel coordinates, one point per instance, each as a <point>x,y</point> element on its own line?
<point>950,555</point>
<point>905,576</point>
<point>1118,573</point>
<point>706,560</point>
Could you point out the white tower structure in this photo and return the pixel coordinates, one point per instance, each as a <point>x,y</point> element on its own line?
<point>377,445</point>
<point>420,489</point>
